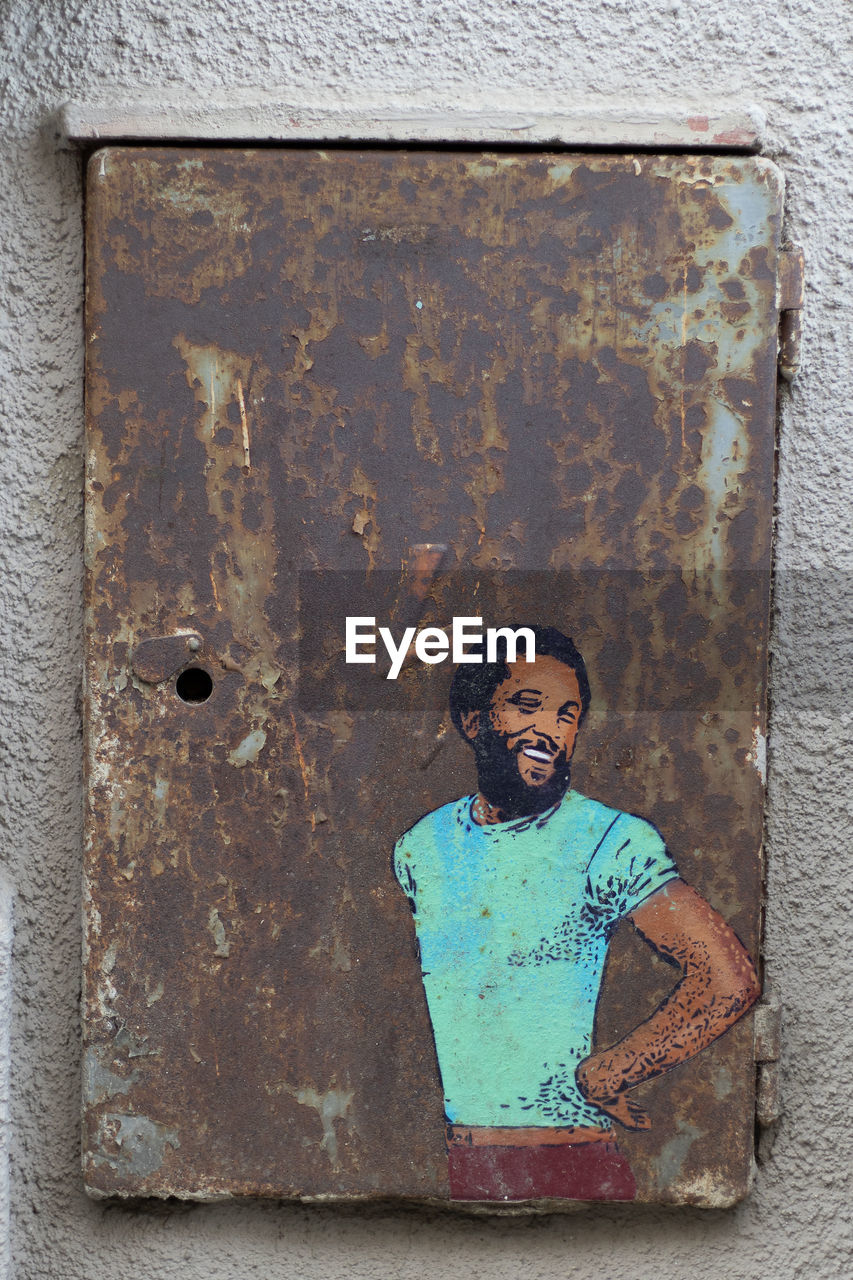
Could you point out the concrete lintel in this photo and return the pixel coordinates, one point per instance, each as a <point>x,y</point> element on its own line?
<point>530,118</point>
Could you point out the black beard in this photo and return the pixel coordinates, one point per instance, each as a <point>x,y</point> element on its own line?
<point>502,784</point>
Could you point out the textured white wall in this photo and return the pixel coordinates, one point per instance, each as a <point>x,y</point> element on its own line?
<point>6,932</point>
<point>788,57</point>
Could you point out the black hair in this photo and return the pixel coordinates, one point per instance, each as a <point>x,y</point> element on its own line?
<point>474,684</point>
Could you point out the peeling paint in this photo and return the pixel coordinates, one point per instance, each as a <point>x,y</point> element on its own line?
<point>667,1166</point>
<point>217,930</point>
<point>101,1082</point>
<point>153,996</point>
<point>336,951</point>
<point>247,751</point>
<point>133,1146</point>
<point>330,1106</point>
<point>759,752</point>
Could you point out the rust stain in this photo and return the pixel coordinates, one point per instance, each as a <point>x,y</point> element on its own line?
<point>683,345</point>
<point>733,138</point>
<point>303,770</point>
<point>244,423</point>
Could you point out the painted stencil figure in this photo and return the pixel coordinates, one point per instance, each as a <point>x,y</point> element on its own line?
<point>516,892</point>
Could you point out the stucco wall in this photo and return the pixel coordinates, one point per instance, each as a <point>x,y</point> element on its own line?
<point>786,59</point>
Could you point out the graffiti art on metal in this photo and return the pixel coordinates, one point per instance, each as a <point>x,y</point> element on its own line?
<point>371,435</point>
<point>516,891</point>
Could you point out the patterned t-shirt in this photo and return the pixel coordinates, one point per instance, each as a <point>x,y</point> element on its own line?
<point>513,921</point>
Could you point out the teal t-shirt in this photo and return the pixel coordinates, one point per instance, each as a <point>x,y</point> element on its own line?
<point>513,921</point>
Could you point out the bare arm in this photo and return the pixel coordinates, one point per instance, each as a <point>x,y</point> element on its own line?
<point>718,985</point>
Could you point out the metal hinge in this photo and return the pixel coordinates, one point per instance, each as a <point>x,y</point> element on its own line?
<point>767,1033</point>
<point>791,289</point>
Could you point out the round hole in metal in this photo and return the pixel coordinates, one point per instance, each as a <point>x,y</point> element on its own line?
<point>194,685</point>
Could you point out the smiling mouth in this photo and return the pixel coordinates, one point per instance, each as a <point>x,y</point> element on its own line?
<point>545,756</point>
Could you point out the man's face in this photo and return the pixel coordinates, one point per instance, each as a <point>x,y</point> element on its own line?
<point>524,744</point>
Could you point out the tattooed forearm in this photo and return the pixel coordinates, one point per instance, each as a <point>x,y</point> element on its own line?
<point>719,984</point>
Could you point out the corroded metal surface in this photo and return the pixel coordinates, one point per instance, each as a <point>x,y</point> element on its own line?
<point>160,657</point>
<point>530,386</point>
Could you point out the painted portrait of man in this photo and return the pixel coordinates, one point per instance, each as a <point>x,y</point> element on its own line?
<point>516,891</point>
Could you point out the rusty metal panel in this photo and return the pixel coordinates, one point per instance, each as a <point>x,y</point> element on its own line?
<point>416,386</point>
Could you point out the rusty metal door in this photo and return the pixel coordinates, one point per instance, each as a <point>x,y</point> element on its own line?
<point>411,386</point>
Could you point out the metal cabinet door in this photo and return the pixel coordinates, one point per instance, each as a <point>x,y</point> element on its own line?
<point>413,386</point>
